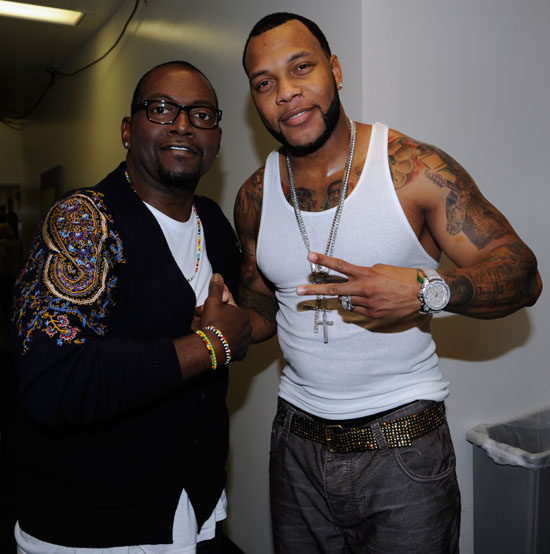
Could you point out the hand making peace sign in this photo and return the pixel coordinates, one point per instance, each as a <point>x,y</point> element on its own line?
<point>380,292</point>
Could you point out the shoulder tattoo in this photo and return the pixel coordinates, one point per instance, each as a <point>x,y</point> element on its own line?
<point>466,209</point>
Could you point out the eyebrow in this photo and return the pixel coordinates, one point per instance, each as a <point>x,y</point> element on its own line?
<point>292,58</point>
<point>167,98</point>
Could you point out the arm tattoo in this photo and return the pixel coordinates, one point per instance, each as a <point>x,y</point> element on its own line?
<point>250,197</point>
<point>466,209</point>
<point>248,209</point>
<point>248,205</point>
<point>263,305</point>
<point>506,281</point>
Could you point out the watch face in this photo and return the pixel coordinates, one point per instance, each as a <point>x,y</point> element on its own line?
<point>436,295</point>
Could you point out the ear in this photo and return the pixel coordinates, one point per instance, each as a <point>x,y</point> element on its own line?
<point>219,142</point>
<point>125,133</point>
<point>336,68</point>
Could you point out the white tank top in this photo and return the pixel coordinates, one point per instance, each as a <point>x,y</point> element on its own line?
<point>368,366</point>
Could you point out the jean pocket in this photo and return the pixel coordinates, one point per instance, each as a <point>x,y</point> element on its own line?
<point>431,457</point>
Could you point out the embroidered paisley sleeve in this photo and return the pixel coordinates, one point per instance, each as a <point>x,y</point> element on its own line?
<point>67,287</point>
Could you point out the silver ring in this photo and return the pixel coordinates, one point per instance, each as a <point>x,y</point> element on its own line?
<point>346,303</point>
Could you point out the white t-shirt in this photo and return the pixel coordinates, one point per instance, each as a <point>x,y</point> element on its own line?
<point>184,535</point>
<point>181,237</point>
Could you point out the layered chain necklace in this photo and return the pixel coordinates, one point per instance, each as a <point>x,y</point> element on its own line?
<point>199,232</point>
<point>320,273</point>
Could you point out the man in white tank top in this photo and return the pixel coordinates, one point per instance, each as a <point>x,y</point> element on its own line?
<point>342,232</point>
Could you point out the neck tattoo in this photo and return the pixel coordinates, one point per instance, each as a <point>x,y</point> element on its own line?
<point>199,233</point>
<point>320,273</point>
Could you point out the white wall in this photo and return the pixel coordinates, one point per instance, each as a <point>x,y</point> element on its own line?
<point>473,77</point>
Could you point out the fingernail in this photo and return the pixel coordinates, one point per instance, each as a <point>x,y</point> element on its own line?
<point>301,290</point>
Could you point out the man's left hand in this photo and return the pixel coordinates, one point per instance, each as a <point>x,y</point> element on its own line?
<point>379,292</point>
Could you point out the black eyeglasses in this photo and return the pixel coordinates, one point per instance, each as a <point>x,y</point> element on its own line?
<point>165,113</point>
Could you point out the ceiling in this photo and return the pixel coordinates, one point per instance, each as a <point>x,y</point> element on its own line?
<point>29,48</point>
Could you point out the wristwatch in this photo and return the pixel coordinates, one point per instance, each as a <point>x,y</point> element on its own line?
<point>434,294</point>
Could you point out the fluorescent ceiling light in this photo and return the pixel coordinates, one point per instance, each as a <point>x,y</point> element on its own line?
<point>40,13</point>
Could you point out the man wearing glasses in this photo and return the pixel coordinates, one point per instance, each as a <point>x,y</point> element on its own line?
<point>123,433</point>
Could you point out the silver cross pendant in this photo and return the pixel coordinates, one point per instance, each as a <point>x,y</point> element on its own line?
<point>325,323</point>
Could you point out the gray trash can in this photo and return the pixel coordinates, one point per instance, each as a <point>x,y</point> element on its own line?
<point>512,485</point>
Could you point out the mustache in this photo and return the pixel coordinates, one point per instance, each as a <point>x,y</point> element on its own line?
<point>330,119</point>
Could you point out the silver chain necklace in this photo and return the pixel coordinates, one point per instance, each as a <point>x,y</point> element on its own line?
<point>319,273</point>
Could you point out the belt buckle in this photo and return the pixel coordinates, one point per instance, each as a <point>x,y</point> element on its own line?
<point>329,436</point>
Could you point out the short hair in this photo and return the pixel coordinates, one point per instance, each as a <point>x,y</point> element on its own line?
<point>136,97</point>
<point>276,19</point>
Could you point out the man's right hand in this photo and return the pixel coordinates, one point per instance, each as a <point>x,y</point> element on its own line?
<point>231,320</point>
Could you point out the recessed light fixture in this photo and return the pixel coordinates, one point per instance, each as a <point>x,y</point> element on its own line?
<point>40,13</point>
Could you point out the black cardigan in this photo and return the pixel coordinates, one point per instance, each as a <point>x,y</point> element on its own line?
<point>108,433</point>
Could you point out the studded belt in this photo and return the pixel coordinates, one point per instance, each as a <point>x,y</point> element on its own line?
<point>397,432</point>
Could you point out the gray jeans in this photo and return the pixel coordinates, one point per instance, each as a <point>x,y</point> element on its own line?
<point>389,501</point>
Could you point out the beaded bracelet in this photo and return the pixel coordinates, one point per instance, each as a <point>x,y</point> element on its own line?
<point>209,347</point>
<point>223,340</point>
<point>418,277</point>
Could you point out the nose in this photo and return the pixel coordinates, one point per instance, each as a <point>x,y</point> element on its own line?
<point>287,89</point>
<point>182,124</point>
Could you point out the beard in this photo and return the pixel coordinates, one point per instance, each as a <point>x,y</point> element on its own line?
<point>180,180</point>
<point>330,119</point>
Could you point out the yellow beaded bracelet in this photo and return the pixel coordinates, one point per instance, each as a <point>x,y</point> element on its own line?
<point>209,347</point>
